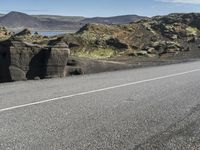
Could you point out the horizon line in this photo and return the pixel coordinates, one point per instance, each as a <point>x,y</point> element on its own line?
<point>62,15</point>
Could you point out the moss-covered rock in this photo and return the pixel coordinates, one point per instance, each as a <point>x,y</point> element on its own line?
<point>97,53</point>
<point>5,33</point>
<point>192,31</point>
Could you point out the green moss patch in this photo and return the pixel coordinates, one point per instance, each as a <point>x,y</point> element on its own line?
<point>191,31</point>
<point>97,54</point>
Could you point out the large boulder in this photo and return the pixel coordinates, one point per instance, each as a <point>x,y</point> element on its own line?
<point>116,43</point>
<point>163,47</point>
<point>21,60</point>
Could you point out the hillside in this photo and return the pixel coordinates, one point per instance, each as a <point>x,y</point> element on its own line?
<point>17,19</point>
<point>21,20</point>
<point>59,18</point>
<point>114,20</point>
<point>48,22</point>
<point>174,35</point>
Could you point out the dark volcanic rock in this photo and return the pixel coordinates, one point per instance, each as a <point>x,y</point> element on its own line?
<point>190,19</point>
<point>25,32</point>
<point>21,60</point>
<point>114,42</point>
<point>163,47</point>
<point>5,61</point>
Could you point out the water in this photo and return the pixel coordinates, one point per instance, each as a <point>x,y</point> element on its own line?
<point>52,33</point>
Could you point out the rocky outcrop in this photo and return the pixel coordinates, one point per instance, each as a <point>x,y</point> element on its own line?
<point>163,47</point>
<point>117,38</point>
<point>189,19</point>
<point>20,60</point>
<point>25,32</point>
<point>4,33</point>
<point>172,34</point>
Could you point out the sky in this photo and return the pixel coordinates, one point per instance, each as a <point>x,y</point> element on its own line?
<point>103,8</point>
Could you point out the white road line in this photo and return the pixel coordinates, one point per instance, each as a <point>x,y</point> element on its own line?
<point>98,90</point>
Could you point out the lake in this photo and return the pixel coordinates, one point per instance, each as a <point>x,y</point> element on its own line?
<point>44,32</point>
<point>52,33</point>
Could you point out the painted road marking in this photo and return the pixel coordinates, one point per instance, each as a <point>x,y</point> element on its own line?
<point>98,90</point>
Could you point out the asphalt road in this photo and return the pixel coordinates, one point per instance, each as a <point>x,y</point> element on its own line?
<point>147,108</point>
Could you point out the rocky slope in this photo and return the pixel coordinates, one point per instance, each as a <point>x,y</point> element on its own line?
<point>166,36</point>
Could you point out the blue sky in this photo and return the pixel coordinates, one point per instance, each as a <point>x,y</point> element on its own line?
<point>91,8</point>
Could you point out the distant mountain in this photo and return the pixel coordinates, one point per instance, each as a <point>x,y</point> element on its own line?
<point>18,19</point>
<point>22,20</point>
<point>114,20</point>
<point>53,22</point>
<point>60,18</point>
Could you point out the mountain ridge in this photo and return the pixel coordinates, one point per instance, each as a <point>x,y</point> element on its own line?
<point>54,22</point>
<point>122,19</point>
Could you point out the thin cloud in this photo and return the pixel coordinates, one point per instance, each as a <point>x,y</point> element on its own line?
<point>181,1</point>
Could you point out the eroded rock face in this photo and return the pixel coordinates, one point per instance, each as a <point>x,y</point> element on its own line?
<point>21,60</point>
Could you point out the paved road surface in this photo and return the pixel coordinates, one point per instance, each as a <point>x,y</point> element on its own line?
<point>148,108</point>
